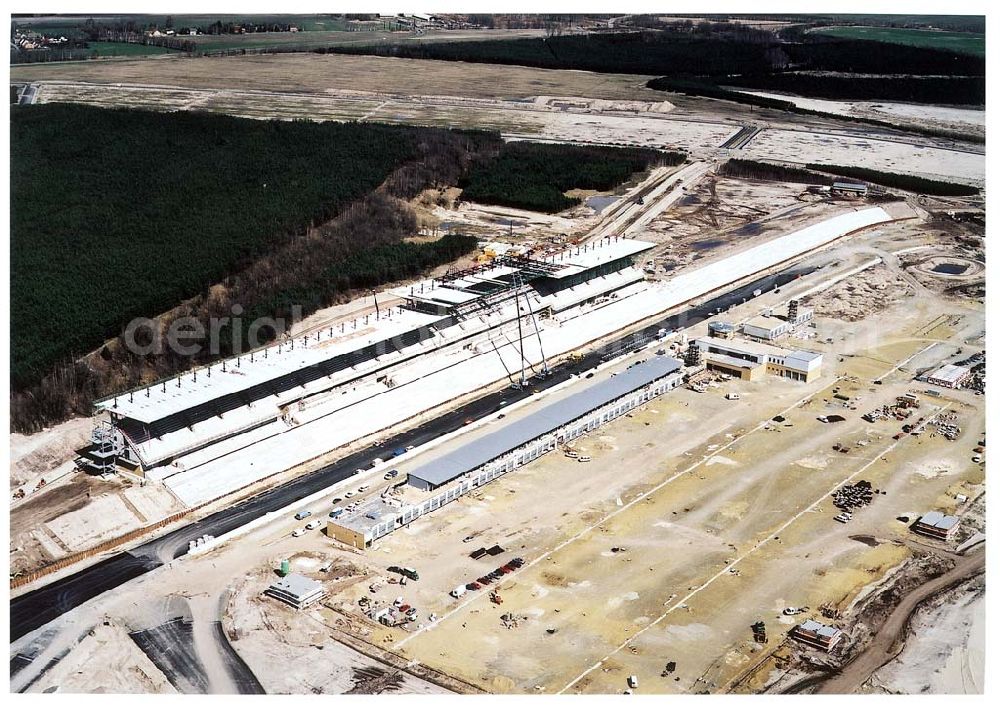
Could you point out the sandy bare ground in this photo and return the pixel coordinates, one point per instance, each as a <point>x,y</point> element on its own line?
<point>804,147</point>
<point>969,120</point>
<point>947,634</point>
<point>293,652</point>
<point>105,661</point>
<point>887,642</point>
<point>35,455</point>
<point>317,74</point>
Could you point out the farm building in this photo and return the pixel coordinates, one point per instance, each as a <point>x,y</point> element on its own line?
<point>936,524</point>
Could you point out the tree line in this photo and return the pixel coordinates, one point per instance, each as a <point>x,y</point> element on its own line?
<point>535,176</point>
<point>755,170</point>
<point>910,183</point>
<point>953,90</point>
<point>705,49</point>
<point>700,87</point>
<point>118,214</point>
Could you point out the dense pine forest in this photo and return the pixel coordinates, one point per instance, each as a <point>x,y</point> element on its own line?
<point>710,50</point>
<point>704,87</point>
<point>959,90</point>
<point>122,213</point>
<point>534,176</point>
<point>117,214</point>
<point>910,183</point>
<point>754,170</point>
<point>702,58</point>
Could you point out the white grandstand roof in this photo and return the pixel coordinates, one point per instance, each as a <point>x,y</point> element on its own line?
<point>209,473</point>
<point>580,258</point>
<point>430,285</point>
<point>185,392</point>
<point>451,296</point>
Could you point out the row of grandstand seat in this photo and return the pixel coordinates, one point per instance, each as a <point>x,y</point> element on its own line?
<point>139,432</point>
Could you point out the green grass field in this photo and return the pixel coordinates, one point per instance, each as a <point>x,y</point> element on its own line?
<point>125,49</point>
<point>964,42</point>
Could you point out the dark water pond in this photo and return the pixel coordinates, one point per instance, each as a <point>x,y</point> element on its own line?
<point>599,203</point>
<point>951,269</point>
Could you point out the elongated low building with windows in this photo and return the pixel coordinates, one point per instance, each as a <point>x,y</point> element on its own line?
<point>452,475</point>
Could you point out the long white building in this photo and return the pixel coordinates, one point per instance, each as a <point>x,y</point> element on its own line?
<point>216,430</point>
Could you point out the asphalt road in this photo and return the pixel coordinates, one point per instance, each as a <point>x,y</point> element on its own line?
<point>36,608</point>
<point>243,678</point>
<point>170,646</point>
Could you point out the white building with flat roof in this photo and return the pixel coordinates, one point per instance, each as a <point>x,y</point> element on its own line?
<point>951,376</point>
<point>296,590</point>
<point>749,360</point>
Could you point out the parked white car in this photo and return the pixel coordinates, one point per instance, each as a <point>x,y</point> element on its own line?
<point>314,524</point>
<point>298,532</point>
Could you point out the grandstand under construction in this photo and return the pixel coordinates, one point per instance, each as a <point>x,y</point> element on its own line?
<point>161,429</point>
<point>220,428</point>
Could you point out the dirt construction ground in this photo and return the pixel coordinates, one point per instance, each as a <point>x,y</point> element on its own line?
<point>692,522</point>
<point>696,517</point>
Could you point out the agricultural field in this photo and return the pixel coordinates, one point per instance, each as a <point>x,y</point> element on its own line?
<point>309,73</point>
<point>53,24</point>
<point>972,43</point>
